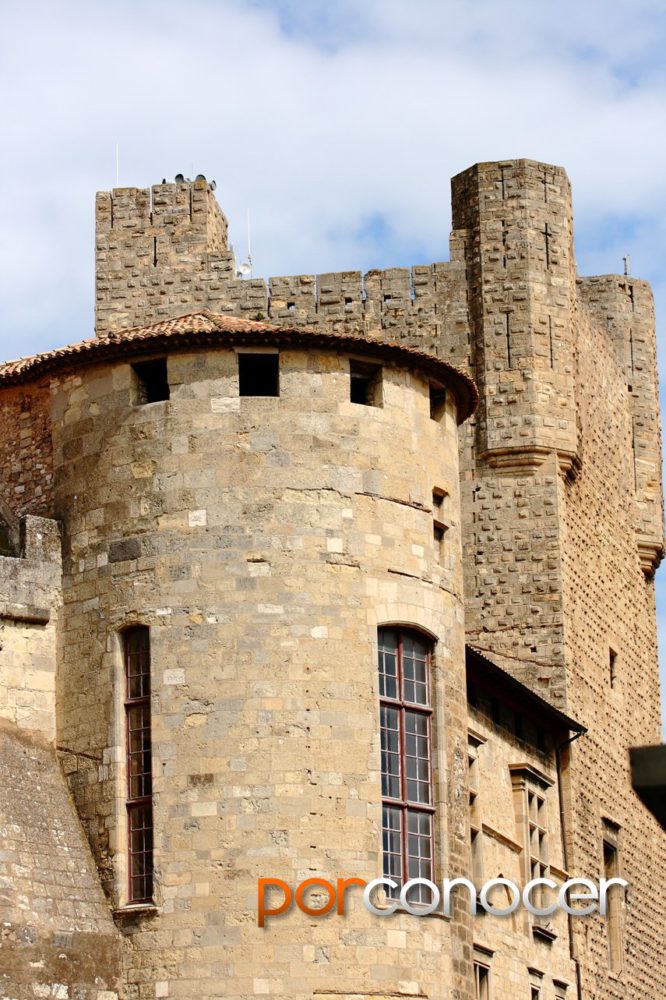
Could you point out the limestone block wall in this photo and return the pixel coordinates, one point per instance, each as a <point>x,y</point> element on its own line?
<point>513,229</point>
<point>513,573</point>
<point>514,947</point>
<point>30,600</point>
<point>26,471</point>
<point>609,609</point>
<point>624,308</point>
<point>163,251</point>
<point>58,938</point>
<point>162,244</point>
<point>515,222</point>
<point>263,540</point>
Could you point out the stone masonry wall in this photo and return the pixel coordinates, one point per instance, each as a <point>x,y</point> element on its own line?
<point>136,284</point>
<point>624,309</point>
<point>30,600</point>
<point>26,469</point>
<point>263,540</point>
<point>515,949</point>
<point>57,937</point>
<point>562,518</point>
<point>609,605</point>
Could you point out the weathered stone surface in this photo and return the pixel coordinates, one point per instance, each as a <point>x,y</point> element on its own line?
<point>57,938</point>
<point>263,540</point>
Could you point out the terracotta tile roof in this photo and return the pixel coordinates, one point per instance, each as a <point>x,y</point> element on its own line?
<point>211,329</point>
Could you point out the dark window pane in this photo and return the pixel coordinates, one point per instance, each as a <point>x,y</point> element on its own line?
<point>405,757</point>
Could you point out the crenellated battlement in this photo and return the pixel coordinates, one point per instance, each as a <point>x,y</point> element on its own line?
<point>151,246</point>
<point>507,307</point>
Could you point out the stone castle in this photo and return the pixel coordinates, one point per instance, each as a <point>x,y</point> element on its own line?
<point>329,577</point>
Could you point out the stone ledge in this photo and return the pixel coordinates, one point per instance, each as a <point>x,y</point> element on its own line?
<point>29,613</point>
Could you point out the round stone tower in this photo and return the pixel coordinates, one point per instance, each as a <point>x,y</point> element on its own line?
<point>243,508</point>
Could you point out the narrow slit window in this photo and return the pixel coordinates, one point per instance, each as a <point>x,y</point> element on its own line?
<point>408,810</point>
<point>481,981</point>
<point>476,836</point>
<point>614,902</point>
<point>259,374</point>
<point>136,655</point>
<point>437,401</point>
<point>365,383</point>
<point>439,524</point>
<point>612,667</point>
<point>151,381</point>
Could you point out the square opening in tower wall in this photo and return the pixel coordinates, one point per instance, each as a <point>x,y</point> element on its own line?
<point>365,383</point>
<point>151,382</point>
<point>259,374</point>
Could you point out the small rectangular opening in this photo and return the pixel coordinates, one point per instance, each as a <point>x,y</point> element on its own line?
<point>437,401</point>
<point>439,495</point>
<point>259,374</point>
<point>481,981</point>
<point>439,534</point>
<point>151,381</point>
<point>612,667</point>
<point>366,383</point>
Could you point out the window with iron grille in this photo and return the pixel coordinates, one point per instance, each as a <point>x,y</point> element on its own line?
<point>136,655</point>
<point>406,750</point>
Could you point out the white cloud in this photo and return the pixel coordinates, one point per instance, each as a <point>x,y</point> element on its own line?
<point>314,138</point>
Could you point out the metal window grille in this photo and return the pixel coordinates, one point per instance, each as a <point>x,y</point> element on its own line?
<point>136,651</point>
<point>406,754</point>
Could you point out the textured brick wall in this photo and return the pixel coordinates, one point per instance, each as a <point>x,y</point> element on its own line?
<point>609,604</point>
<point>26,470</point>
<point>623,308</point>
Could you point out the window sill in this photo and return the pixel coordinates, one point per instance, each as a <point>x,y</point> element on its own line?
<point>543,933</point>
<point>136,910</point>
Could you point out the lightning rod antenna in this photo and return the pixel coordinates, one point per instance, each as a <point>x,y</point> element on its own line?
<point>249,242</point>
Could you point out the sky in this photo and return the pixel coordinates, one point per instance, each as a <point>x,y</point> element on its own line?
<point>337,124</point>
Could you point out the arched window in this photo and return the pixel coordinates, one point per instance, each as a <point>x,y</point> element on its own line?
<point>406,747</point>
<point>136,658</point>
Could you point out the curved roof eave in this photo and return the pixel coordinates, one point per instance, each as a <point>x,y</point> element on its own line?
<point>207,328</point>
